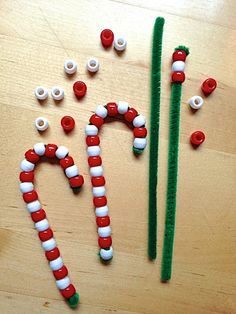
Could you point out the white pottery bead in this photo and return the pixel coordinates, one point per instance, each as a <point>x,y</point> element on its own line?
<point>99,191</point>
<point>196,102</point>
<point>62,152</point>
<point>41,124</point>
<point>120,43</point>
<point>138,121</point>
<point>96,171</point>
<point>101,211</point>
<point>41,93</point>
<point>42,225</point>
<point>56,263</point>
<point>91,130</point>
<point>178,66</point>
<point>57,93</point>
<point>93,150</point>
<point>26,187</point>
<point>63,283</point>
<point>33,206</point>
<point>70,66</point>
<point>39,149</point>
<point>106,254</point>
<point>49,244</point>
<point>26,165</point>
<point>72,171</point>
<point>123,107</point>
<point>92,65</point>
<point>140,143</point>
<point>104,231</point>
<point>101,111</point>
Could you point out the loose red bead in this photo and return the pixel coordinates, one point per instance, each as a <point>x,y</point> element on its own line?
<point>76,182</point>
<point>197,138</point>
<point>38,215</point>
<point>130,115</point>
<point>112,109</point>
<point>68,123</point>
<point>94,161</point>
<point>103,221</point>
<point>60,273</point>
<point>92,140</point>
<point>107,38</point>
<point>179,55</point>
<point>178,76</point>
<point>66,162</point>
<point>27,176</point>
<point>96,120</point>
<point>98,181</point>
<point>104,242</point>
<point>79,89</point>
<point>99,201</point>
<point>68,292</point>
<point>50,150</point>
<point>208,86</point>
<point>53,254</point>
<point>140,132</point>
<point>30,196</point>
<point>31,156</point>
<point>45,235</point>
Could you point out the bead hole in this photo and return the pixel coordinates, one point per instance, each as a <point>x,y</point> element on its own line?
<point>67,122</point>
<point>120,41</point>
<point>40,122</point>
<point>69,65</point>
<point>41,91</point>
<point>197,101</point>
<point>92,63</point>
<point>57,92</point>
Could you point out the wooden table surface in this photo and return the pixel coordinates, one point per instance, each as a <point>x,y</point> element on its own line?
<point>36,38</point>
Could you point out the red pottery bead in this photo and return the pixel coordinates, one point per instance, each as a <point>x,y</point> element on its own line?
<point>50,150</point>
<point>38,215</point>
<point>66,162</point>
<point>112,109</point>
<point>30,196</point>
<point>94,161</point>
<point>68,123</point>
<point>31,156</point>
<point>92,140</point>
<point>76,181</point>
<point>68,292</point>
<point>27,176</point>
<point>179,55</point>
<point>45,235</point>
<point>178,76</point>
<point>79,89</point>
<point>107,38</point>
<point>96,120</point>
<point>104,242</point>
<point>100,201</point>
<point>98,181</point>
<point>197,138</point>
<point>60,273</point>
<point>140,132</point>
<point>103,221</point>
<point>130,115</point>
<point>208,86</point>
<point>53,254</point>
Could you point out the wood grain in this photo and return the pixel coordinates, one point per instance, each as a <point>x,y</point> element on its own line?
<point>36,37</point>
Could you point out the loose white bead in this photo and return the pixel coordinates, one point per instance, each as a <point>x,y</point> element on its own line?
<point>101,211</point>
<point>104,231</point>
<point>140,143</point>
<point>138,121</point>
<point>91,130</point>
<point>41,124</point>
<point>39,149</point>
<point>26,187</point>
<point>92,65</point>
<point>41,93</point>
<point>72,171</point>
<point>42,225</point>
<point>63,283</point>
<point>120,43</point>
<point>178,66</point>
<point>106,254</point>
<point>123,107</point>
<point>99,191</point>
<point>49,244</point>
<point>26,165</point>
<point>93,150</point>
<point>96,171</point>
<point>56,263</point>
<point>62,152</point>
<point>196,102</point>
<point>70,66</point>
<point>57,93</point>
<point>101,111</point>
<point>33,206</point>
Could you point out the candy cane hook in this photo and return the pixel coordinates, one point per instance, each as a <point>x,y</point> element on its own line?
<point>96,169</point>
<point>38,215</point>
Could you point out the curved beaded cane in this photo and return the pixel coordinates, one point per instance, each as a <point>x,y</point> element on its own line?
<point>96,169</point>
<point>38,215</point>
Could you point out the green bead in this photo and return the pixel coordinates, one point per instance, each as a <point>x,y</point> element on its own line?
<point>76,190</point>
<point>137,151</point>
<point>73,301</point>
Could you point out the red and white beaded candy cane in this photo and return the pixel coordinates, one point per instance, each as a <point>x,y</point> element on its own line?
<point>95,163</point>
<point>38,215</point>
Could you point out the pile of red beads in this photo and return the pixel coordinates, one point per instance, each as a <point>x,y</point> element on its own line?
<point>178,66</point>
<point>95,163</point>
<point>38,215</point>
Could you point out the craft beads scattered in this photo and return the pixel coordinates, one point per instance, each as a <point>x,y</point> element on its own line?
<point>70,66</point>
<point>41,93</point>
<point>41,124</point>
<point>79,89</point>
<point>92,65</point>
<point>57,93</point>
<point>120,43</point>
<point>38,215</point>
<point>197,138</point>
<point>68,123</point>
<point>208,86</point>
<point>107,38</point>
<point>196,102</point>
